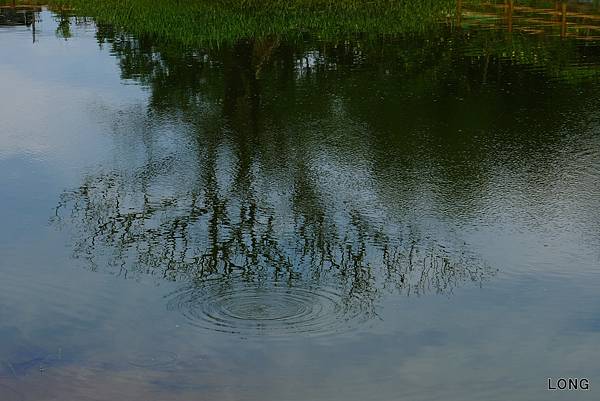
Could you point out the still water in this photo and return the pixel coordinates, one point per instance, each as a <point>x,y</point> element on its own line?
<point>370,218</point>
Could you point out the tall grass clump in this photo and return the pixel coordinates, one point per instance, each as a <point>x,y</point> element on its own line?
<point>200,21</point>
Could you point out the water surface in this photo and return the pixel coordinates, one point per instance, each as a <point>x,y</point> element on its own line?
<point>300,217</point>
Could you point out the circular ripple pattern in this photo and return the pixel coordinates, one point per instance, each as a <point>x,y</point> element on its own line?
<point>270,310</point>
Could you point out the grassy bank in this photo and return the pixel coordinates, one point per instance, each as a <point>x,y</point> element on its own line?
<point>196,22</point>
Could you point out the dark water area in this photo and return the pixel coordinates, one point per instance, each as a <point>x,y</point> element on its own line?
<point>368,217</point>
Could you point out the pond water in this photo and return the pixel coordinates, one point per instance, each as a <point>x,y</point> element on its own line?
<point>397,217</point>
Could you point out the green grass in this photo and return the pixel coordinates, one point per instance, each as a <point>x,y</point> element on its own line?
<point>213,22</point>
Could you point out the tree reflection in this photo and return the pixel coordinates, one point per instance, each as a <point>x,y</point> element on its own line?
<point>228,225</point>
<point>199,234</point>
<point>304,166</point>
<point>288,168</point>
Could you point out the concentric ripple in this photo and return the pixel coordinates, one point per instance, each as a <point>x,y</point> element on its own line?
<point>274,309</point>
